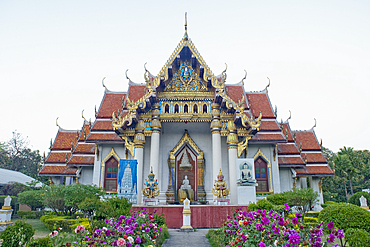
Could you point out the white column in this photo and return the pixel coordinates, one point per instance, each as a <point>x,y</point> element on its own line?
<point>216,141</point>
<point>154,153</point>
<point>232,145</point>
<point>154,144</point>
<point>139,156</point>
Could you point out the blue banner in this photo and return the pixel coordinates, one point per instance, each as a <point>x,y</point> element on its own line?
<point>127,179</point>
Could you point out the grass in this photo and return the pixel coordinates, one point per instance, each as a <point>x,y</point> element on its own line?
<point>40,230</point>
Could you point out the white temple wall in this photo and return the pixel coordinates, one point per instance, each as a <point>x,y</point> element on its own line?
<point>314,184</point>
<point>86,175</point>
<point>286,179</point>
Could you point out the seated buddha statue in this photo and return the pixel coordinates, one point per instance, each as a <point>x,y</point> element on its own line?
<point>246,178</point>
<point>185,190</point>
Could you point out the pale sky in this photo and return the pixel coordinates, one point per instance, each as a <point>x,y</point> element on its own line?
<point>54,54</point>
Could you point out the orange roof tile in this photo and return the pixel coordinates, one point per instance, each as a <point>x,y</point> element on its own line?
<point>81,160</point>
<point>136,92</point>
<point>260,103</point>
<point>314,170</point>
<point>84,148</point>
<point>236,93</point>
<point>100,125</point>
<point>105,137</point>
<point>314,157</point>
<point>287,148</point>
<point>291,161</point>
<point>64,139</point>
<point>57,170</point>
<point>269,126</point>
<point>308,140</point>
<point>57,157</point>
<point>260,136</point>
<point>111,102</point>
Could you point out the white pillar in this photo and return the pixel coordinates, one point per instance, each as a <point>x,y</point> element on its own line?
<point>216,141</point>
<point>155,141</point>
<point>139,151</point>
<point>232,145</point>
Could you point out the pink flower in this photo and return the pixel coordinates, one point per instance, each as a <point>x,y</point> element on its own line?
<point>53,234</point>
<point>262,244</point>
<point>80,228</point>
<point>295,221</point>
<point>121,242</point>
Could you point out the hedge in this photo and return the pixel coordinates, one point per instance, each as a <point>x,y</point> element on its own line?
<point>345,216</point>
<point>30,214</point>
<point>67,223</point>
<point>357,237</point>
<point>355,198</point>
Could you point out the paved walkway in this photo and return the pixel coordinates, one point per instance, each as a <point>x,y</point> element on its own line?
<point>187,239</point>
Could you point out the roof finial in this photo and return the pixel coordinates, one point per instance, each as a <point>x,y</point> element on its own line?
<point>267,84</point>
<point>83,115</point>
<point>245,76</point>
<point>186,27</point>
<point>56,121</point>
<point>104,84</point>
<point>290,116</point>
<point>315,124</point>
<point>126,75</point>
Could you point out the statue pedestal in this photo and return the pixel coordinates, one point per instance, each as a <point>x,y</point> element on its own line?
<point>221,201</point>
<point>246,195</point>
<point>5,218</point>
<point>150,201</point>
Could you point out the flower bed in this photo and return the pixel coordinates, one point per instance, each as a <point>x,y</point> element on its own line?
<point>136,230</point>
<point>268,228</point>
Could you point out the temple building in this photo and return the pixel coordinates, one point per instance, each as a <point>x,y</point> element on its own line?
<point>187,124</point>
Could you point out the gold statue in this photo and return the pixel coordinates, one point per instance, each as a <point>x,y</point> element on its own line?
<point>220,185</point>
<point>151,186</point>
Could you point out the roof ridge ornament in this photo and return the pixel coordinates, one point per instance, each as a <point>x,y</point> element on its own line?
<point>102,82</point>
<point>268,85</point>
<point>314,125</point>
<point>56,121</point>
<point>82,114</point>
<point>186,27</point>
<point>290,116</point>
<point>245,76</point>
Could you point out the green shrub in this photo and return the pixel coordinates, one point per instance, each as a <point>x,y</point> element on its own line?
<point>67,223</point>
<point>264,204</point>
<point>17,234</point>
<point>311,220</point>
<point>216,238</point>
<point>40,242</point>
<point>327,204</point>
<point>32,198</point>
<point>357,237</point>
<point>163,236</point>
<point>279,208</point>
<point>252,207</point>
<point>312,214</point>
<point>346,216</point>
<point>159,219</point>
<point>30,214</point>
<point>278,199</point>
<point>355,198</point>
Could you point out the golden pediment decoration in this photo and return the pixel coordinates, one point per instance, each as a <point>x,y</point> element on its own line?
<point>186,139</point>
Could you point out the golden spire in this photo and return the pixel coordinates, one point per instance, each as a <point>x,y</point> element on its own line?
<point>186,27</point>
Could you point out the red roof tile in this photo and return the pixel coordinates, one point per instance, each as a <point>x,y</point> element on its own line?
<point>308,140</point>
<point>314,170</point>
<point>100,125</point>
<point>64,139</point>
<point>57,170</point>
<point>105,137</point>
<point>81,160</point>
<point>314,157</point>
<point>260,136</point>
<point>290,161</point>
<point>269,126</point>
<point>235,93</point>
<point>260,103</point>
<point>287,148</point>
<point>136,92</point>
<point>57,157</point>
<point>111,102</point>
<point>84,148</point>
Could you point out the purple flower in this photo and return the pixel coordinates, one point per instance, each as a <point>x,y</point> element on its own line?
<point>147,229</point>
<point>244,237</point>
<point>259,227</point>
<point>294,238</point>
<point>138,240</point>
<point>98,232</point>
<point>286,207</point>
<point>262,244</point>
<point>295,221</point>
<point>340,234</point>
<point>331,238</point>
<point>265,221</point>
<point>120,229</point>
<point>107,232</point>
<point>298,215</point>
<point>228,216</point>
<point>330,225</point>
<point>276,230</point>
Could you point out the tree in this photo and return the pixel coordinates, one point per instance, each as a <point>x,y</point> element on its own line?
<point>303,199</point>
<point>31,198</point>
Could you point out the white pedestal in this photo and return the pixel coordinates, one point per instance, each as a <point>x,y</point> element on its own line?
<point>151,201</point>
<point>246,195</point>
<point>5,218</point>
<point>221,201</point>
<point>186,213</point>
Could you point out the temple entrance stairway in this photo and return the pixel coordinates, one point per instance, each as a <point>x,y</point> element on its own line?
<point>187,239</point>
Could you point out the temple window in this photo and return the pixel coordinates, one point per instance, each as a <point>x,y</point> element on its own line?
<point>186,109</point>
<point>176,108</point>
<point>167,109</point>
<point>260,166</point>
<point>195,109</point>
<point>111,175</point>
<point>204,108</point>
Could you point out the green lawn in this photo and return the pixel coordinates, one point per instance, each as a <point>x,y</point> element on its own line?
<point>40,230</point>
